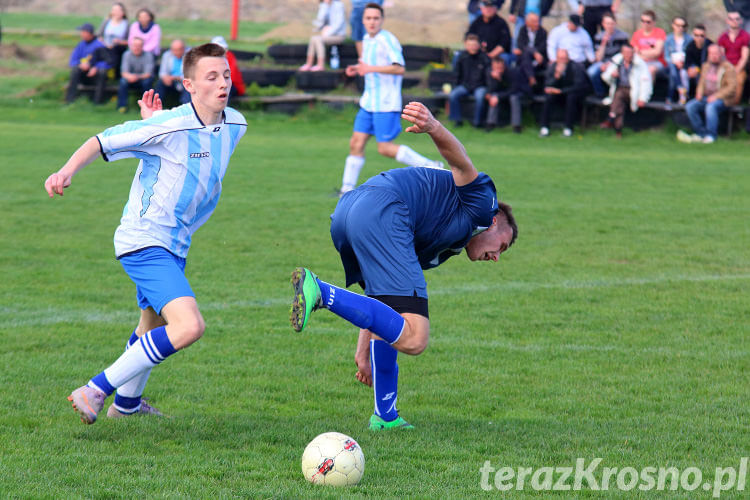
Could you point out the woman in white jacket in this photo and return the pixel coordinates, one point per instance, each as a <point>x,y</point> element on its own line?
<point>330,24</point>
<point>629,82</point>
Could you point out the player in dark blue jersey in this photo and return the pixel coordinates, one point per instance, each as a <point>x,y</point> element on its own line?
<point>387,231</point>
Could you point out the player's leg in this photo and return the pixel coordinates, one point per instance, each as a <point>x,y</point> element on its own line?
<point>363,129</point>
<point>159,277</point>
<point>381,242</point>
<point>387,126</point>
<point>129,397</point>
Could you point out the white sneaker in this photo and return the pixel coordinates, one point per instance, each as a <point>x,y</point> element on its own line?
<point>567,132</point>
<point>708,140</point>
<point>684,137</point>
<point>696,138</point>
<point>544,132</point>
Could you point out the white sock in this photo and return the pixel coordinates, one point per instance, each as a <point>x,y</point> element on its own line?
<point>141,356</point>
<point>408,156</point>
<point>352,168</point>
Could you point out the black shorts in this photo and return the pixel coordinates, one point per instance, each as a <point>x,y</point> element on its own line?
<point>402,304</point>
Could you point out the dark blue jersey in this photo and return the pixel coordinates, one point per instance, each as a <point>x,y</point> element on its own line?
<point>444,216</point>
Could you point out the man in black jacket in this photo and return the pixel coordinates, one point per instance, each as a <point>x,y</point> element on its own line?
<point>696,54</point>
<point>531,48</point>
<point>493,32</point>
<point>519,9</point>
<point>471,68</point>
<point>565,82</point>
<point>505,84</point>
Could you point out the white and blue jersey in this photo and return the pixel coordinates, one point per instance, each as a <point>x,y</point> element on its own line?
<point>382,91</point>
<point>178,181</point>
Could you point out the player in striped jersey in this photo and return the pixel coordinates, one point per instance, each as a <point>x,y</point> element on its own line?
<point>184,153</point>
<point>382,65</point>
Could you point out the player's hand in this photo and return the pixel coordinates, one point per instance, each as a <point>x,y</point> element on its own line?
<point>363,69</point>
<point>55,184</point>
<point>418,114</point>
<point>149,103</point>
<point>351,70</point>
<point>364,370</point>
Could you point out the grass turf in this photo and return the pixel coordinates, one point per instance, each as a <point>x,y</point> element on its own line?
<point>616,327</point>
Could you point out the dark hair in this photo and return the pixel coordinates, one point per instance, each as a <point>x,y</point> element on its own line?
<point>498,59</point>
<point>700,26</point>
<point>675,18</point>
<point>650,13</point>
<point>507,211</point>
<point>610,15</point>
<point>124,10</point>
<point>373,5</point>
<point>197,53</point>
<point>626,45</point>
<point>471,36</point>
<point>147,11</point>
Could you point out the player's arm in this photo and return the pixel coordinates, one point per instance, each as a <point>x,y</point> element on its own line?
<point>449,147</point>
<point>61,179</point>
<point>392,69</point>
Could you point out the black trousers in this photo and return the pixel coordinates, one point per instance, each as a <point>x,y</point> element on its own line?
<point>79,76</point>
<point>592,19</point>
<point>572,101</point>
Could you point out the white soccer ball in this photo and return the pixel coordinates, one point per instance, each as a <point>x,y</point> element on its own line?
<point>333,459</point>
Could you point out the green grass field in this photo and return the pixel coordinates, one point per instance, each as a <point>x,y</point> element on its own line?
<point>616,327</point>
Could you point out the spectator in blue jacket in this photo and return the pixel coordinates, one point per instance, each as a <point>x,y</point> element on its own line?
<point>89,63</point>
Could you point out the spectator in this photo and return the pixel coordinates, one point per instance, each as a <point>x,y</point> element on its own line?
<point>170,73</point>
<point>531,49</point>
<point>355,21</point>
<point>674,52</point>
<point>734,46</point>
<point>648,42</point>
<point>696,54</point>
<point>519,9</point>
<point>630,84</point>
<point>137,70</point>
<point>330,23</point>
<point>113,33</point>
<point>592,12</point>
<point>505,84</point>
<point>88,63</point>
<point>717,89</point>
<point>238,83</point>
<point>570,37</point>
<point>493,31</point>
<point>148,31</point>
<point>475,11</point>
<point>471,70</point>
<point>565,82</point>
<point>741,6</point>
<point>608,42</point>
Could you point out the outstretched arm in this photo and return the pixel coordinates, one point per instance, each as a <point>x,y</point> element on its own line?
<point>448,146</point>
<point>61,179</point>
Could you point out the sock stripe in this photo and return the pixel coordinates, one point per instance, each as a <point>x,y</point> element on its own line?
<point>146,350</point>
<point>374,372</point>
<point>152,345</point>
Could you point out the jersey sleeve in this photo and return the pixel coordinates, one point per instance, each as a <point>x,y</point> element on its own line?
<point>394,50</point>
<point>479,200</point>
<point>133,139</point>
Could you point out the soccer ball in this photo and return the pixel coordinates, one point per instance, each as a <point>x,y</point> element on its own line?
<point>334,459</point>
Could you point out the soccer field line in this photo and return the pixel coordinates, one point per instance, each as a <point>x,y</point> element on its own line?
<point>12,317</point>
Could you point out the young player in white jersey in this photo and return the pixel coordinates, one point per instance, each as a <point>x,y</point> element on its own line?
<point>382,65</point>
<point>184,154</point>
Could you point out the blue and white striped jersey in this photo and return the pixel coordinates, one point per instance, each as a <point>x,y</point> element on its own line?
<point>382,91</point>
<point>178,180</point>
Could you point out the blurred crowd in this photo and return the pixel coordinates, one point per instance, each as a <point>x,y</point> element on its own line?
<point>130,54</point>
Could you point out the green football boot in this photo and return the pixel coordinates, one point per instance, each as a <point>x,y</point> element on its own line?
<point>307,297</point>
<point>378,424</point>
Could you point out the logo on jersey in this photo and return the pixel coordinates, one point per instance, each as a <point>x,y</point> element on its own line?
<point>200,155</point>
<point>217,129</point>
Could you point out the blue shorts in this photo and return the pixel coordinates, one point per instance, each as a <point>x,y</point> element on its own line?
<point>384,126</point>
<point>159,276</point>
<point>374,235</point>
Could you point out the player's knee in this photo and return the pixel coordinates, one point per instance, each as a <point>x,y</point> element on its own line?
<point>191,329</point>
<point>356,146</point>
<point>384,148</point>
<point>413,345</point>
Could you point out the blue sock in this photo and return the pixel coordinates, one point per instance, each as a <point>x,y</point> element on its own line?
<point>132,340</point>
<point>384,379</point>
<point>363,311</point>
